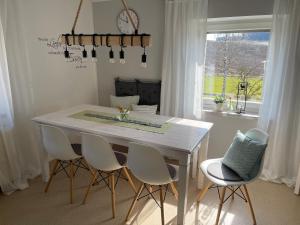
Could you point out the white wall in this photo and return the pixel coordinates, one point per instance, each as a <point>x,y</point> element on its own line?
<point>152,21</point>
<point>151,15</point>
<point>230,8</point>
<point>224,130</point>
<point>55,83</point>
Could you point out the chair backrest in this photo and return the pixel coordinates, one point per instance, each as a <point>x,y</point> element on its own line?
<point>98,152</point>
<point>147,164</point>
<point>262,137</point>
<point>57,143</point>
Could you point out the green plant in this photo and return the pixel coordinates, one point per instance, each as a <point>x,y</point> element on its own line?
<point>219,99</point>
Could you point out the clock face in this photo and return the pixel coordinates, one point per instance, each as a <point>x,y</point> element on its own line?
<point>124,23</point>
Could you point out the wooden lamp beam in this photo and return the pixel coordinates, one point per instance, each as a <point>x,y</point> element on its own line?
<point>142,40</point>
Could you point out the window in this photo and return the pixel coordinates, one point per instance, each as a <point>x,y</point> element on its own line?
<point>234,58</point>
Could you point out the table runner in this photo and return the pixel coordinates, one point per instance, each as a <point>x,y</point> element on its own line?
<point>133,122</point>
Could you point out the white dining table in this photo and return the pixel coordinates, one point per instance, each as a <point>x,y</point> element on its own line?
<point>185,141</point>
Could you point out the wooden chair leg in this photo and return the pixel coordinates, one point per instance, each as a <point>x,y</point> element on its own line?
<point>161,196</point>
<point>250,205</point>
<point>51,175</point>
<point>113,197</point>
<point>204,191</point>
<point>94,177</point>
<point>134,201</point>
<point>232,196</point>
<point>71,174</point>
<point>129,179</point>
<point>220,205</point>
<point>174,190</point>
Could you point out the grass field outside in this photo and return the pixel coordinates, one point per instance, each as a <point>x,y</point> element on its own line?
<point>213,86</point>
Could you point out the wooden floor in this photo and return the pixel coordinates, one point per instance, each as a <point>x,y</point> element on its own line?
<point>273,204</point>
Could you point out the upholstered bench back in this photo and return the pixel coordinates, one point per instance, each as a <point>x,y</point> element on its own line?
<point>149,91</point>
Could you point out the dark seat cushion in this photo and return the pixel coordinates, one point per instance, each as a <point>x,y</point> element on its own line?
<point>121,157</point>
<point>222,172</point>
<point>126,87</point>
<point>173,172</point>
<point>77,148</point>
<point>149,92</point>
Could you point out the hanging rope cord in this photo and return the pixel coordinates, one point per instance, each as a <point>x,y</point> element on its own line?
<point>76,17</point>
<point>125,6</point>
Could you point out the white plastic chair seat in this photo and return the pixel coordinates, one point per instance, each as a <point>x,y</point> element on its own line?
<point>221,182</point>
<point>173,170</point>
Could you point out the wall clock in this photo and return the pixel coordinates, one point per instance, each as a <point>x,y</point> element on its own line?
<point>123,21</point>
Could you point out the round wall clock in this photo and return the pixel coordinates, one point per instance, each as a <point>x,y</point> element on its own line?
<point>124,23</point>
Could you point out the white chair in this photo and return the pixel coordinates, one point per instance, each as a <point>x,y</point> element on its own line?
<point>148,165</point>
<point>58,146</point>
<point>221,176</point>
<point>99,154</point>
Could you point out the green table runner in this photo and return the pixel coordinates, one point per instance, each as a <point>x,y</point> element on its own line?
<point>131,122</point>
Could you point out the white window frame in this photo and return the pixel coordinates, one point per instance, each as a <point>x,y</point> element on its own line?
<point>238,24</point>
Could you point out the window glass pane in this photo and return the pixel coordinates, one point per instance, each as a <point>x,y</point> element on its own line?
<point>232,58</point>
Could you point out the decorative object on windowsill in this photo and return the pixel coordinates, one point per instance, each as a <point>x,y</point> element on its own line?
<point>219,100</point>
<point>241,97</point>
<point>124,113</point>
<point>128,24</point>
<point>230,106</point>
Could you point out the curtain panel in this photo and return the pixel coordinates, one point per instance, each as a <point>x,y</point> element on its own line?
<point>280,111</point>
<point>183,58</point>
<point>21,158</point>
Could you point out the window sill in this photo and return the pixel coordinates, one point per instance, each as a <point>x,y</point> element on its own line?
<point>232,114</point>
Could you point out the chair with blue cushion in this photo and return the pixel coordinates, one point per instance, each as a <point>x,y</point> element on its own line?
<point>230,173</point>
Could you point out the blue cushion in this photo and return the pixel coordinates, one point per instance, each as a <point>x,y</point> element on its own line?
<point>244,156</point>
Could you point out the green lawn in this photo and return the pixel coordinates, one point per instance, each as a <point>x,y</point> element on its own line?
<point>213,86</point>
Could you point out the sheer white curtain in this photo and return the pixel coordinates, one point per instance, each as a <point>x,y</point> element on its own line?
<point>280,111</point>
<point>183,57</point>
<point>20,156</point>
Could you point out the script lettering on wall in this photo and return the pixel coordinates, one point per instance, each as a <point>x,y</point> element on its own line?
<point>54,47</point>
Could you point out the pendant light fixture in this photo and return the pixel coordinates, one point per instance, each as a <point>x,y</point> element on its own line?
<point>122,53</point>
<point>94,54</point>
<point>144,56</point>
<point>122,40</point>
<point>144,59</point>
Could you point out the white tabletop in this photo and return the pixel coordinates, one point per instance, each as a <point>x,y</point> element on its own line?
<point>183,134</point>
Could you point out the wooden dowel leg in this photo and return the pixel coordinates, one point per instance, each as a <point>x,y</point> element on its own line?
<point>51,175</point>
<point>161,196</point>
<point>134,201</point>
<point>93,179</point>
<point>113,199</point>
<point>71,174</point>
<point>174,190</point>
<point>220,205</point>
<point>204,191</point>
<point>232,196</point>
<point>250,205</point>
<point>129,179</point>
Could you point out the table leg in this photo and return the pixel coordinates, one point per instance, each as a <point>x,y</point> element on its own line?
<point>297,187</point>
<point>195,162</point>
<point>202,155</point>
<point>183,182</point>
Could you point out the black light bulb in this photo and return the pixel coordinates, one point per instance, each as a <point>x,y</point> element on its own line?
<point>84,53</point>
<point>144,60</point>
<point>111,56</point>
<point>122,56</point>
<point>67,53</point>
<point>94,55</point>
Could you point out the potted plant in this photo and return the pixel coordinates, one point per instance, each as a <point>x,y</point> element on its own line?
<point>219,100</point>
